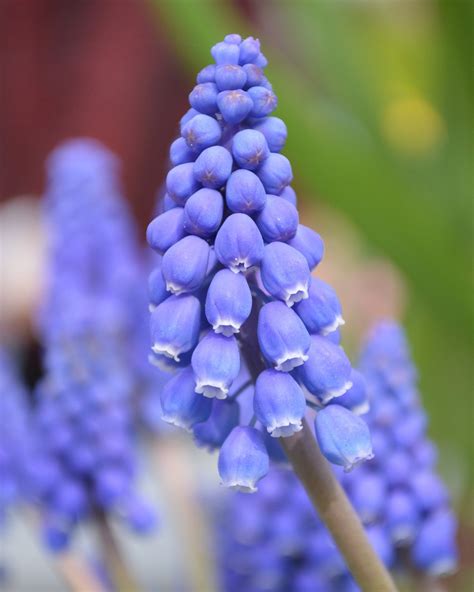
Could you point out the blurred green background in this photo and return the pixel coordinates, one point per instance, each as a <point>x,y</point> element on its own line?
<point>378,101</point>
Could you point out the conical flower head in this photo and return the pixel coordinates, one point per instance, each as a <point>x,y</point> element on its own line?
<point>236,262</point>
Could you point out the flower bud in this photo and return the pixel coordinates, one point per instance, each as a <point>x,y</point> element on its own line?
<point>203,98</point>
<point>434,549</point>
<point>306,241</point>
<point>368,496</point>
<point>274,130</point>
<point>228,302</point>
<point>430,492</point>
<point>234,105</point>
<point>203,213</point>
<point>279,403</point>
<point>250,149</point>
<point>278,221</point>
<point>289,194</point>
<point>216,363</point>
<point>180,404</point>
<point>201,131</point>
<point>180,152</point>
<point>224,417</point>
<point>243,459</point>
<point>321,311</point>
<point>327,372</point>
<point>239,244</point>
<point>343,437</point>
<point>245,192</point>
<point>181,182</point>
<point>285,273</point>
<point>175,325</point>
<point>283,339</point>
<point>213,167</point>
<point>230,77</point>
<point>225,53</point>
<point>249,50</point>
<point>402,516</point>
<point>355,399</point>
<point>275,173</point>
<point>264,101</point>
<point>165,230</point>
<point>184,264</point>
<point>207,74</point>
<point>254,75</point>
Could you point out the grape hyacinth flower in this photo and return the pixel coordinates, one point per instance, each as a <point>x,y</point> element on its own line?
<point>236,306</point>
<point>16,444</point>
<point>277,543</point>
<point>87,324</point>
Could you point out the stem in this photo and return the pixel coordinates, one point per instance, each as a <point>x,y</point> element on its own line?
<point>77,574</point>
<point>336,511</point>
<point>321,485</point>
<point>112,556</point>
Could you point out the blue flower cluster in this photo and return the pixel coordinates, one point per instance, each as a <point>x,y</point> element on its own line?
<point>15,445</point>
<point>275,542</point>
<point>83,419</point>
<point>233,295</point>
<point>400,487</point>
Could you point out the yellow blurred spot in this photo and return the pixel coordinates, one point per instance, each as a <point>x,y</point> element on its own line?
<point>412,126</point>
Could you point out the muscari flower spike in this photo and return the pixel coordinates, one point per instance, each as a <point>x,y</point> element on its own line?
<point>275,542</point>
<point>88,325</point>
<point>16,443</point>
<point>236,307</point>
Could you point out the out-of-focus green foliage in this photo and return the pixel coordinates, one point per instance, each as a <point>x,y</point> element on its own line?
<point>378,101</point>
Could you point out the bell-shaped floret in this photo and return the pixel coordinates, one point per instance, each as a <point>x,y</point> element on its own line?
<point>321,311</point>
<point>244,192</point>
<point>285,273</point>
<point>434,549</point>
<point>184,265</point>
<point>180,404</point>
<point>175,326</point>
<point>279,403</point>
<point>243,459</point>
<point>278,221</point>
<point>224,417</point>
<point>165,230</point>
<point>306,240</point>
<point>282,336</point>
<point>239,244</point>
<point>327,372</point>
<point>402,516</point>
<point>343,437</point>
<point>355,399</point>
<point>216,364</point>
<point>228,302</point>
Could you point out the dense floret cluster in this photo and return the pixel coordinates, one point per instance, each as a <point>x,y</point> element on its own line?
<point>233,295</point>
<point>15,439</point>
<point>275,542</point>
<point>400,487</point>
<point>84,414</point>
